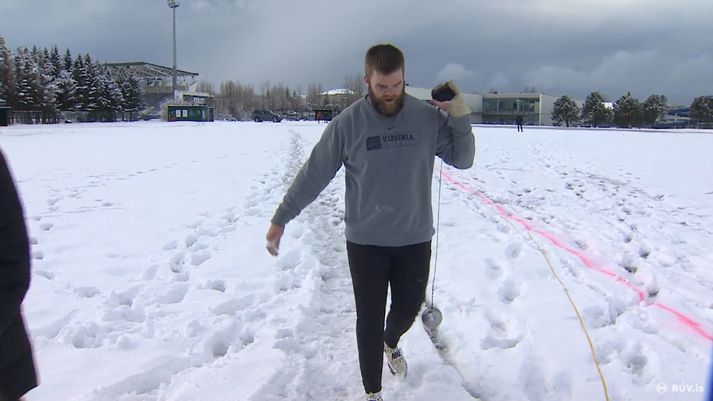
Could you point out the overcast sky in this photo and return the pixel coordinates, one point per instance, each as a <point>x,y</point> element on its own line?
<point>557,46</point>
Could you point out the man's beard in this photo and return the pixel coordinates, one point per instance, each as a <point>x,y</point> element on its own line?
<point>388,109</point>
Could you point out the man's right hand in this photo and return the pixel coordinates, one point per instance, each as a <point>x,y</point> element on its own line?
<point>274,234</point>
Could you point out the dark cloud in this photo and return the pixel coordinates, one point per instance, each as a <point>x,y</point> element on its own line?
<point>556,46</point>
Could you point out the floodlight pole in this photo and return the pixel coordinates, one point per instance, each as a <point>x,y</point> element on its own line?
<point>173,5</point>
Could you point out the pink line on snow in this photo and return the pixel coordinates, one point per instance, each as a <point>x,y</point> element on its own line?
<point>583,257</point>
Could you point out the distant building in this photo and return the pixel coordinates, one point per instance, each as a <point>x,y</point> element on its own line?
<point>195,98</point>
<point>501,108</point>
<point>191,106</point>
<point>337,99</point>
<point>185,112</point>
<point>676,117</point>
<point>338,92</point>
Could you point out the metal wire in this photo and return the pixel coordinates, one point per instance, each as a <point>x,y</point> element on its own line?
<point>438,223</point>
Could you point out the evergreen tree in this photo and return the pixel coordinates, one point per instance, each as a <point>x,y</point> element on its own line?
<point>45,57</point>
<point>565,109</point>
<point>594,112</point>
<point>116,98</point>
<point>66,93</point>
<point>7,80</point>
<point>79,77</point>
<point>653,109</point>
<point>94,84</point>
<point>102,100</point>
<point>36,55</point>
<point>25,84</point>
<point>627,111</point>
<point>109,98</point>
<point>48,87</point>
<point>56,61</point>
<point>42,80</point>
<point>702,109</point>
<point>67,61</point>
<point>132,95</point>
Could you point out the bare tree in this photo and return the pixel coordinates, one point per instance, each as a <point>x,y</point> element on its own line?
<point>236,99</point>
<point>314,95</point>
<point>355,89</point>
<point>206,87</point>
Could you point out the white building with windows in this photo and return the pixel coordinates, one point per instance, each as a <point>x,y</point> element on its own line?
<point>501,108</point>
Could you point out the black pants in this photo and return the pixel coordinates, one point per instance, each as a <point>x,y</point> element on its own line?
<point>373,270</point>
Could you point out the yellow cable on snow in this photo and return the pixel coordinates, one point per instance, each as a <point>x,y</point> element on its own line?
<point>576,310</point>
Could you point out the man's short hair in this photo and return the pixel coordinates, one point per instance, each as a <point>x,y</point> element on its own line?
<point>384,58</point>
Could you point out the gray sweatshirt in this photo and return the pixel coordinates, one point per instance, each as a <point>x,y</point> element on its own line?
<point>388,164</point>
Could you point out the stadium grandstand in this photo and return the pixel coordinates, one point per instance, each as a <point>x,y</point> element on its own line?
<point>156,81</point>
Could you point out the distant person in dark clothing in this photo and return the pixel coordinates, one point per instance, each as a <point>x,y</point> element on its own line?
<point>518,122</point>
<point>17,367</point>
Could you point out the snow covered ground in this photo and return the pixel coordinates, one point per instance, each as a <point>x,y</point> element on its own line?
<point>151,282</point>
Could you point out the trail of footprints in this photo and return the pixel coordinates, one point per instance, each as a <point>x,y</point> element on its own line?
<point>147,308</point>
<point>323,329</point>
<point>507,330</point>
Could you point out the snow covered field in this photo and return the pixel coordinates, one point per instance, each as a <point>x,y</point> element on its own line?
<point>151,282</point>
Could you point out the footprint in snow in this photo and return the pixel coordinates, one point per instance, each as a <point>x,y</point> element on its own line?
<point>217,285</point>
<point>641,362</point>
<point>190,240</point>
<point>125,297</point>
<point>289,260</point>
<point>150,273</point>
<point>232,306</point>
<point>171,245</point>
<point>645,250</point>
<point>641,320</point>
<point>509,291</point>
<point>177,262</point>
<point>200,257</point>
<point>628,237</point>
<point>89,335</point>
<point>581,244</point>
<point>225,339</point>
<point>87,292</point>
<point>45,274</point>
<point>494,268</point>
<point>598,316</point>
<point>505,331</point>
<point>513,250</point>
<point>174,295</point>
<point>629,262</point>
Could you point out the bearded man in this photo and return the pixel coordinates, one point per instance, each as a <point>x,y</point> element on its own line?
<point>386,142</point>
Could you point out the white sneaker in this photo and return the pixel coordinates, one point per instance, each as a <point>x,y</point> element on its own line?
<point>395,360</point>
<point>374,397</point>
